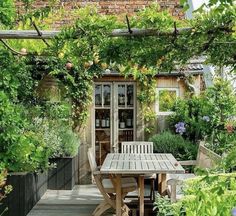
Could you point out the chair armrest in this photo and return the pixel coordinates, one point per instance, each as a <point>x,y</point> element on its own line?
<point>173,188</point>
<point>188,163</point>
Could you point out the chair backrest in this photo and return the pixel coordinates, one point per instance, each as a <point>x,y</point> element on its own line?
<point>206,158</point>
<point>137,147</point>
<point>92,161</point>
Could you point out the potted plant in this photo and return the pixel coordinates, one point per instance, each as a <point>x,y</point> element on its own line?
<point>24,154</point>
<point>63,146</point>
<point>65,173</point>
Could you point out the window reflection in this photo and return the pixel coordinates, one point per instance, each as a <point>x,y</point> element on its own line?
<point>121,95</point>
<point>167,99</point>
<point>107,95</point>
<point>130,95</point>
<point>98,95</point>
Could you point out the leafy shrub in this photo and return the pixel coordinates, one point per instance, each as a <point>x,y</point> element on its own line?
<point>58,136</point>
<point>70,142</point>
<point>210,195</point>
<point>4,189</point>
<point>163,205</point>
<point>210,116</point>
<point>206,195</point>
<point>21,149</point>
<point>167,142</point>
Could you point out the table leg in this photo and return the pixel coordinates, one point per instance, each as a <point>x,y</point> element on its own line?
<point>141,195</point>
<point>162,183</point>
<point>118,195</point>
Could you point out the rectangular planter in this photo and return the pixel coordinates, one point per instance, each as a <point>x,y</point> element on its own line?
<point>28,188</point>
<point>65,175</point>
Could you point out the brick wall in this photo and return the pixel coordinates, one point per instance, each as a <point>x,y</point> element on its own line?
<point>111,7</point>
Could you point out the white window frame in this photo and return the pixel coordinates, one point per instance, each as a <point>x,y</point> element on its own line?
<point>158,97</point>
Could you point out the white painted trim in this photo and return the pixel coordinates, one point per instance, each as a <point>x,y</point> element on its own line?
<point>177,90</point>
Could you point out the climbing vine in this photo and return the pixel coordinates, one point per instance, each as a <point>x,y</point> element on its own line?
<point>84,50</point>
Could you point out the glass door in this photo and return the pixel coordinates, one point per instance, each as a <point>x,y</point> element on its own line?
<point>103,133</point>
<point>125,114</point>
<point>115,117</point>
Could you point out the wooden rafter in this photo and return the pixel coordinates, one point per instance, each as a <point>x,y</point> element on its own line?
<point>32,34</point>
<point>27,34</point>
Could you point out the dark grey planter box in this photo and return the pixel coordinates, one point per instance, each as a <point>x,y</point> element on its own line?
<point>28,188</point>
<point>65,175</point>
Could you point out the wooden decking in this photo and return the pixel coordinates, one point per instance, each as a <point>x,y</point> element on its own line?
<point>81,201</point>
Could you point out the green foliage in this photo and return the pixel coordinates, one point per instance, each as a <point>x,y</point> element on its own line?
<point>70,142</point>
<point>166,142</point>
<point>206,195</point>
<point>7,12</point>
<point>15,78</point>
<point>4,189</point>
<point>163,205</point>
<point>210,195</point>
<point>209,116</point>
<point>21,150</point>
<point>88,47</point>
<point>53,122</point>
<point>59,138</point>
<point>191,111</point>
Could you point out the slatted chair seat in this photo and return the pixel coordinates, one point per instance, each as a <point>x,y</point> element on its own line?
<point>205,159</point>
<point>127,184</point>
<point>141,147</point>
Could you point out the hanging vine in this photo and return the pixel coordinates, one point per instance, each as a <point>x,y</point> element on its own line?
<point>83,51</point>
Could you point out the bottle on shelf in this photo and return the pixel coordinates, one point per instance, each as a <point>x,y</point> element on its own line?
<point>122,121</point>
<point>103,120</point>
<point>97,121</point>
<point>108,121</point>
<point>129,120</point>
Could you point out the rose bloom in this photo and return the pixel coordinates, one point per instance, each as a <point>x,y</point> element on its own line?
<point>230,128</point>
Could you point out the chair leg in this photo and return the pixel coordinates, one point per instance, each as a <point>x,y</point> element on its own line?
<point>104,207</point>
<point>153,192</point>
<point>100,206</point>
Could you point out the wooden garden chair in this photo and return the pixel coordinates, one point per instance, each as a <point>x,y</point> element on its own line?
<point>141,147</point>
<point>205,159</point>
<point>107,185</point>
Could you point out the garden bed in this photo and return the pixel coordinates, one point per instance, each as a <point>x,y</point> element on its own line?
<point>28,188</point>
<point>65,175</point>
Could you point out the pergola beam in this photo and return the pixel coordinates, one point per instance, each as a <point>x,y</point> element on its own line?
<point>32,34</point>
<point>147,32</point>
<point>27,34</point>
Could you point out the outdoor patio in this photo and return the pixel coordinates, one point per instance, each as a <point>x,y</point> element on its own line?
<point>82,201</point>
<point>117,108</point>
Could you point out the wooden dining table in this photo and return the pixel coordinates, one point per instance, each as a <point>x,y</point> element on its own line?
<point>118,164</point>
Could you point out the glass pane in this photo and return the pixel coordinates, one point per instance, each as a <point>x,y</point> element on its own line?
<point>102,118</point>
<point>98,95</point>
<point>102,134</point>
<point>167,99</point>
<point>107,95</point>
<point>130,95</point>
<point>126,118</point>
<point>121,95</point>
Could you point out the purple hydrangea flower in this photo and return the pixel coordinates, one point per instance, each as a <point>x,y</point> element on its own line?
<point>206,118</point>
<point>233,212</point>
<point>180,128</point>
